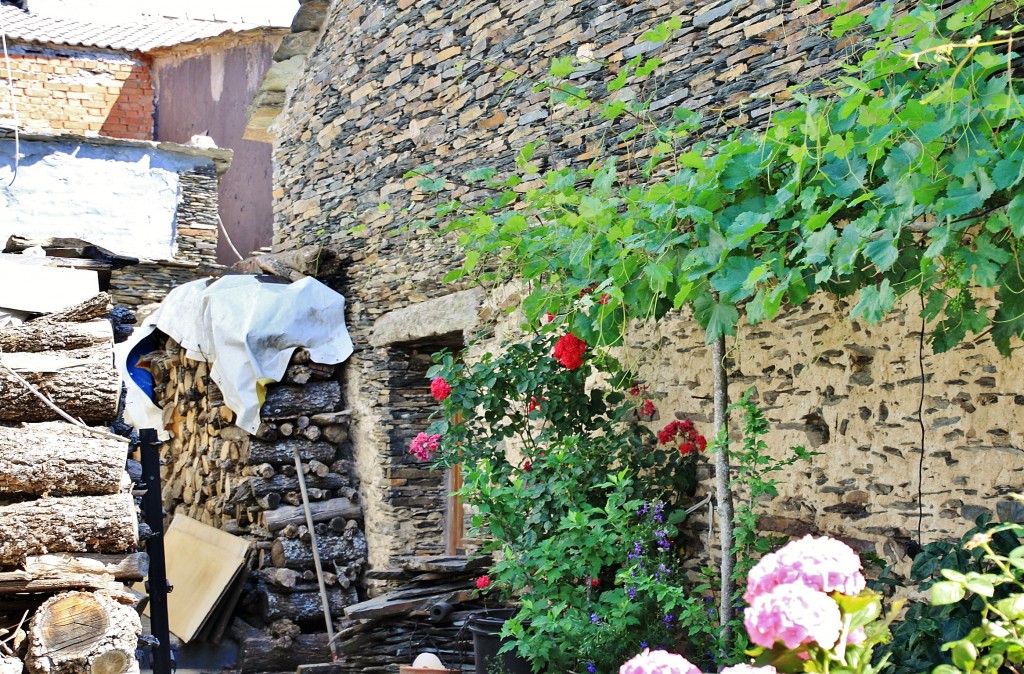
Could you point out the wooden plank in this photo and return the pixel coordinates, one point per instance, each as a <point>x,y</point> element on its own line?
<point>202,562</point>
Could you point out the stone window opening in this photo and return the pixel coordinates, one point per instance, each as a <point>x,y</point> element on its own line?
<point>421,489</point>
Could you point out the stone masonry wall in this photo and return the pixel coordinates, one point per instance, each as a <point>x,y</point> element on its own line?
<point>393,86</point>
<point>81,92</point>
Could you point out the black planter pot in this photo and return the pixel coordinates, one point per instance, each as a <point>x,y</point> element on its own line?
<point>485,627</point>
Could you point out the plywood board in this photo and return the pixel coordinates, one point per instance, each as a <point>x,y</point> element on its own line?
<point>201,563</point>
<point>44,289</point>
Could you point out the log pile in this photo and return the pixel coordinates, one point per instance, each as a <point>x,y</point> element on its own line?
<point>427,611</point>
<point>68,521</point>
<point>248,485</point>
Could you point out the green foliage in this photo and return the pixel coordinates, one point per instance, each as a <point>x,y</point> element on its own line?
<point>582,508</point>
<point>903,175</point>
<point>753,482</point>
<point>994,595</point>
<point>917,639</point>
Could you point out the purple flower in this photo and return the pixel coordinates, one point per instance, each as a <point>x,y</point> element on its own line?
<point>594,618</point>
<point>668,619</point>
<point>591,668</point>
<point>631,592</point>
<point>658,516</point>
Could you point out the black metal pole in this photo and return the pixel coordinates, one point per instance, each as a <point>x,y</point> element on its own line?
<point>153,515</point>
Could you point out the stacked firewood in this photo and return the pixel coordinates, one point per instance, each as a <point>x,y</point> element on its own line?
<point>248,485</point>
<point>427,611</point>
<point>68,521</point>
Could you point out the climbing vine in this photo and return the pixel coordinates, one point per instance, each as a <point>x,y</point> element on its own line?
<point>902,175</point>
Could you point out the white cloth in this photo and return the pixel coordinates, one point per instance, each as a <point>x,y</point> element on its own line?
<point>247,330</point>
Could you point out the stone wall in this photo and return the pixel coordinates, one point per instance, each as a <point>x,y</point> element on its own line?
<point>80,92</point>
<point>393,86</point>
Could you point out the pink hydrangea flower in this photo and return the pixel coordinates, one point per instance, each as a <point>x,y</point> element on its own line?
<point>658,662</point>
<point>822,564</point>
<point>749,669</point>
<point>424,445</point>
<point>793,614</point>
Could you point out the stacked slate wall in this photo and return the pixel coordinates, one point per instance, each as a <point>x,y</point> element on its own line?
<point>393,86</point>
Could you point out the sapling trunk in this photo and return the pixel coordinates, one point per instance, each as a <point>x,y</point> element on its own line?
<point>723,492</point>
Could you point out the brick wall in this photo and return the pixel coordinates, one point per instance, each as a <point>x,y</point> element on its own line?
<point>393,86</point>
<point>80,92</point>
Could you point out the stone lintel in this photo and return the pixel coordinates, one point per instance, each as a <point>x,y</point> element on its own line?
<point>457,312</point>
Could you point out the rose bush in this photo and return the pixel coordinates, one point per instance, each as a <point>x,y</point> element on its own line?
<point>580,504</point>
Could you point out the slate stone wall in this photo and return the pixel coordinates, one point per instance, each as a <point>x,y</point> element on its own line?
<point>395,85</point>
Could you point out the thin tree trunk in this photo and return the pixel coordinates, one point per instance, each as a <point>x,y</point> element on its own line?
<point>723,491</point>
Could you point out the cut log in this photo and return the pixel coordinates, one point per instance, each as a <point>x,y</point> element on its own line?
<point>288,402</point>
<point>96,306</point>
<point>322,511</point>
<point>314,260</point>
<point>37,336</point>
<point>281,452</point>
<point>10,665</point>
<point>284,483</point>
<point>16,582</point>
<point>59,459</point>
<point>297,554</point>
<point>302,606</point>
<point>131,566</point>
<point>106,524</point>
<point>263,653</point>
<point>82,382</point>
<point>82,633</point>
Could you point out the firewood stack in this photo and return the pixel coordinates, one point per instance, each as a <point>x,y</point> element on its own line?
<point>68,522</point>
<point>427,611</point>
<point>248,485</point>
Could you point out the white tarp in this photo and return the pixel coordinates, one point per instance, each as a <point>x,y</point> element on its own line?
<point>247,330</point>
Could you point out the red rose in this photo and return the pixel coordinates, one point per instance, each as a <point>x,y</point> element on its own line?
<point>569,350</point>
<point>439,388</point>
<point>595,582</point>
<point>648,409</point>
<point>483,582</point>
<point>527,466</point>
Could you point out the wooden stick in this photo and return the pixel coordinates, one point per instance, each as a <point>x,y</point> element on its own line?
<point>316,554</point>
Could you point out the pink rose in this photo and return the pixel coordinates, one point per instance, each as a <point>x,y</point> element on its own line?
<point>822,564</point>
<point>483,582</point>
<point>424,445</point>
<point>658,662</point>
<point>793,614</point>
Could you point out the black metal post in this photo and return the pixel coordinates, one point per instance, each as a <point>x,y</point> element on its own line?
<point>153,515</point>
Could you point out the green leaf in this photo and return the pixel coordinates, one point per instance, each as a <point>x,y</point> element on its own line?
<point>658,276</point>
<point>717,318</point>
<point>879,17</point>
<point>947,592</point>
<point>731,279</point>
<point>875,302</point>
<point>844,23</point>
<point>1015,211</point>
<point>685,290</point>
<point>882,252</point>
<point>562,66</point>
